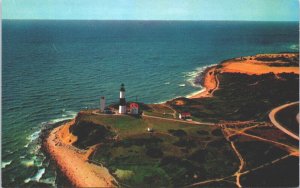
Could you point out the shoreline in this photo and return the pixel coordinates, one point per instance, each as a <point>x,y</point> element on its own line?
<point>203,92</point>
<point>73,162</point>
<point>208,82</point>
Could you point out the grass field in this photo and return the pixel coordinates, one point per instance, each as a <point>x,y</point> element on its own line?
<point>160,110</point>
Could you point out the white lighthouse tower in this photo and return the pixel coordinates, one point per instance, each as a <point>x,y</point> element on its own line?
<point>122,106</point>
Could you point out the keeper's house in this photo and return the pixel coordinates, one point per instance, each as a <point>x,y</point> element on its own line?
<point>134,108</point>
<point>185,115</point>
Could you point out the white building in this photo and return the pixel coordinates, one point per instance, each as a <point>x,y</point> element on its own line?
<point>102,104</point>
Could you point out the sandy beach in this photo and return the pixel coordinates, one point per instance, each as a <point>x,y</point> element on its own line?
<point>73,163</point>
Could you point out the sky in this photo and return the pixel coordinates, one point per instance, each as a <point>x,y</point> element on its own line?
<point>252,10</point>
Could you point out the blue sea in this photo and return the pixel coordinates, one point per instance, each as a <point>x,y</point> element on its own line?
<point>53,69</point>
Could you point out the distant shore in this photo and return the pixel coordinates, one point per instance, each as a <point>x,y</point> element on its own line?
<point>251,65</point>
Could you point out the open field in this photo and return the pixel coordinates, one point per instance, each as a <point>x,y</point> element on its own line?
<point>257,153</point>
<point>284,173</point>
<point>160,110</point>
<point>272,133</point>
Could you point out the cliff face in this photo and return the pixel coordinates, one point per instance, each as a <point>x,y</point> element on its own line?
<point>72,161</point>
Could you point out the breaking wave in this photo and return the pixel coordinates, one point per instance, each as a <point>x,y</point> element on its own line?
<point>64,116</point>
<point>37,176</point>
<point>294,47</point>
<point>192,77</point>
<point>4,164</point>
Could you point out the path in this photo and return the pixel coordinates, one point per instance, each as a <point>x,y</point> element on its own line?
<point>217,85</point>
<point>242,164</point>
<point>162,118</point>
<point>177,120</point>
<point>174,111</point>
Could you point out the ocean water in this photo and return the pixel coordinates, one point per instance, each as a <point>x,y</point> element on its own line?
<point>52,69</point>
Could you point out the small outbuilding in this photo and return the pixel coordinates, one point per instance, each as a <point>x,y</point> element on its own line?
<point>185,115</point>
<point>134,108</point>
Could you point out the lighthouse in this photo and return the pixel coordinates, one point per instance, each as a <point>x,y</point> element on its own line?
<point>122,106</point>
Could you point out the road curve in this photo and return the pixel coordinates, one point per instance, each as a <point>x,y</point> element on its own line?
<point>277,124</point>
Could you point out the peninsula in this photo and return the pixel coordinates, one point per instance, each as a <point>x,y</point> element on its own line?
<point>221,136</point>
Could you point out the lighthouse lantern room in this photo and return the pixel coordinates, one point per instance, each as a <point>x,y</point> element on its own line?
<point>122,106</point>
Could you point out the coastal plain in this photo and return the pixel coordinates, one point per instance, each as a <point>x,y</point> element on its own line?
<point>229,142</point>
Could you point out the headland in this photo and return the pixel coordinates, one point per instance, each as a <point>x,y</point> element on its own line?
<point>228,139</point>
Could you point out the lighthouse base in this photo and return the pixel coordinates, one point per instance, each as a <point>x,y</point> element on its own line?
<point>122,109</point>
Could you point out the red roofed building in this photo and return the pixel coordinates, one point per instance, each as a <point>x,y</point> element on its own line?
<point>185,115</point>
<point>134,108</point>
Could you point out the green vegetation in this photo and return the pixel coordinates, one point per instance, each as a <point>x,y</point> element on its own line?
<point>243,97</point>
<point>159,110</point>
<point>285,173</point>
<point>280,61</point>
<point>174,154</point>
<point>258,153</point>
<point>89,133</point>
<point>272,133</point>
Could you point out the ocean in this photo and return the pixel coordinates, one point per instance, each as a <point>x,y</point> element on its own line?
<point>53,69</point>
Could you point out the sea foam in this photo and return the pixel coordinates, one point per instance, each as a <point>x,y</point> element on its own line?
<point>34,136</point>
<point>4,164</point>
<point>64,116</point>
<point>37,176</point>
<point>294,47</point>
<point>191,76</point>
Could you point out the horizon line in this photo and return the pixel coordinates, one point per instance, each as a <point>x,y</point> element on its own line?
<point>147,20</point>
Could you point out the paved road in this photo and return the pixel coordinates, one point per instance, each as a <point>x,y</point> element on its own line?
<point>278,125</point>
